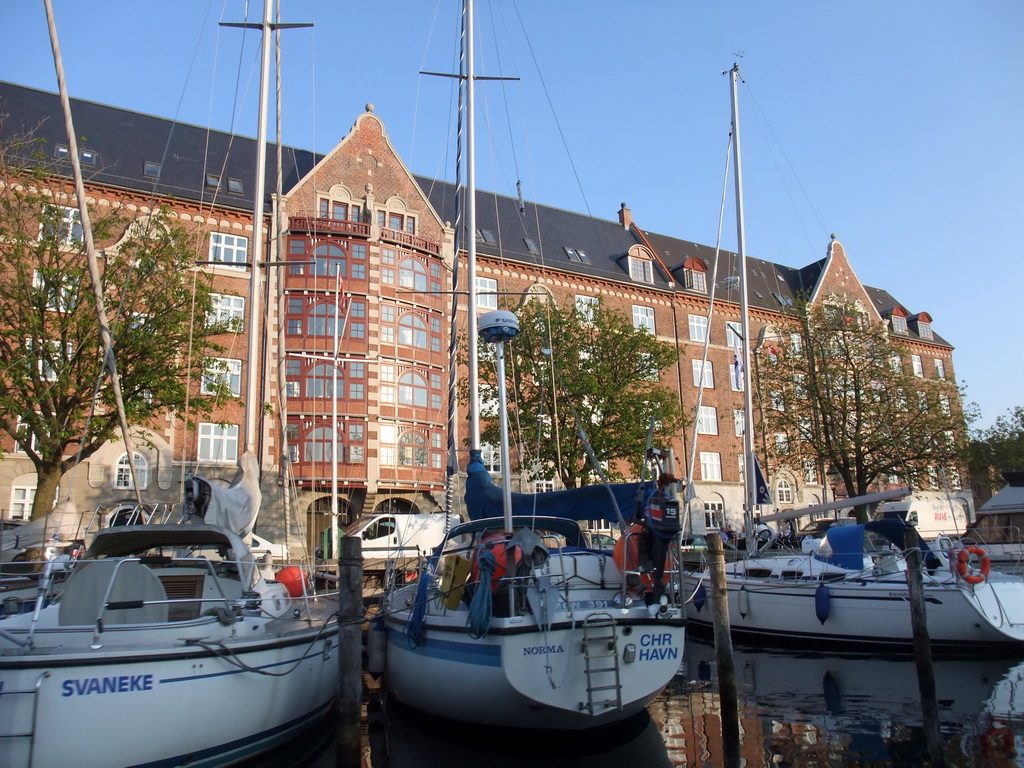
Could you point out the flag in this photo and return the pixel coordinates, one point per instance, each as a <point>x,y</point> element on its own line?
<point>761,494</point>
<point>737,364</point>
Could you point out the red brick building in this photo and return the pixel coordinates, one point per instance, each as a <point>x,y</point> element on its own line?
<point>361,249</point>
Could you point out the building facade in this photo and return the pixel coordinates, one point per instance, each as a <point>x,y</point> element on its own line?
<point>359,256</point>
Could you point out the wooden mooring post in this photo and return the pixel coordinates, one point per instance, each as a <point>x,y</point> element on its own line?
<point>727,693</point>
<point>923,650</point>
<point>348,738</point>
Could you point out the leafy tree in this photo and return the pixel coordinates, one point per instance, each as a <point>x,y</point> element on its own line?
<point>569,369</point>
<point>834,394</point>
<point>1000,448</point>
<point>56,402</point>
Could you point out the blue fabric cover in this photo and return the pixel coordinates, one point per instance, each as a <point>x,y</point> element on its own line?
<point>591,502</point>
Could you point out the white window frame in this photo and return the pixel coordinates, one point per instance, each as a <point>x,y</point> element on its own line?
<point>70,225</point>
<point>918,364</point>
<point>224,245</point>
<point>708,369</point>
<point>228,309</point>
<point>739,418</point>
<point>641,270</point>
<point>226,370</point>
<point>643,317</point>
<point>783,491</point>
<point>707,420</point>
<point>218,443</point>
<point>586,305</point>
<point>899,325</point>
<point>940,368</point>
<point>710,466</point>
<point>698,327</point>
<point>22,498</point>
<point>733,335</point>
<point>487,293</point>
<point>123,476</point>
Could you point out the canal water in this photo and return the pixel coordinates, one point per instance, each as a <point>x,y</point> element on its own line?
<point>797,709</point>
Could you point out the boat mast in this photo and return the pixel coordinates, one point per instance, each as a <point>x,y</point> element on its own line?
<point>471,304</point>
<point>749,489</point>
<point>90,251</point>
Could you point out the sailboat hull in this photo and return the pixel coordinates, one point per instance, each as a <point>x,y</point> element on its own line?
<point>866,611</point>
<point>592,666</point>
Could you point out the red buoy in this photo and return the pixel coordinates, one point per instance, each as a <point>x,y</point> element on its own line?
<point>292,579</point>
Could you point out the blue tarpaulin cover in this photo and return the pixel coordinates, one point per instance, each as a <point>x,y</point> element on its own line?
<point>591,502</point>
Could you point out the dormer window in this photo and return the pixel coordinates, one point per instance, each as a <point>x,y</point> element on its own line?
<point>695,275</point>
<point>641,270</point>
<point>899,324</point>
<point>924,330</point>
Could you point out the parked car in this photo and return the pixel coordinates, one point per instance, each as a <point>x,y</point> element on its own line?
<point>600,540</point>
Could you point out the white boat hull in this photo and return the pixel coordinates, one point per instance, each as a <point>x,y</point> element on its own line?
<point>868,613</point>
<point>171,705</point>
<point>599,659</point>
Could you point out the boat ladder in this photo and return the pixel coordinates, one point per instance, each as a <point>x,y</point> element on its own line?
<point>601,656</point>
<point>19,719</point>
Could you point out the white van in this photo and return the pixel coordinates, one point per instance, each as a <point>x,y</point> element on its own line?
<point>387,536</point>
<point>933,516</point>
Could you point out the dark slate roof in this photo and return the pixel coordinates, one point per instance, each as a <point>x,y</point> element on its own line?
<point>124,141</point>
<point>884,303</point>
<point>552,230</point>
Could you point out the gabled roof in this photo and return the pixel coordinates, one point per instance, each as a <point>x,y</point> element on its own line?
<point>124,141</point>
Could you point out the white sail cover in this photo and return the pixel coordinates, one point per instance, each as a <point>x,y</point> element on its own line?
<point>236,506</point>
<point>61,525</point>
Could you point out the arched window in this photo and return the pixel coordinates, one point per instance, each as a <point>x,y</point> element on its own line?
<point>412,331</point>
<point>320,381</point>
<point>321,320</point>
<point>123,473</point>
<point>329,260</point>
<point>412,390</point>
<point>412,274</point>
<point>412,450</point>
<point>319,445</point>
<point>783,491</point>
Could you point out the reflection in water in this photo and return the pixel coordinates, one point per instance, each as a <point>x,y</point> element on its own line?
<point>799,710</point>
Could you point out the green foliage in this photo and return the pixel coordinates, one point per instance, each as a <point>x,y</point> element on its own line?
<point>600,374</point>
<point>827,379</point>
<point>998,449</point>
<point>56,400</point>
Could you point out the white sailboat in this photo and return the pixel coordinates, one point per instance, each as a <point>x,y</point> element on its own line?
<point>515,622</point>
<point>852,591</point>
<point>170,644</point>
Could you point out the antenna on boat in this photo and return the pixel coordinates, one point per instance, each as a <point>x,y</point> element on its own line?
<point>496,328</point>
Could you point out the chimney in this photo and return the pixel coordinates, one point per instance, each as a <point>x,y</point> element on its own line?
<point>625,217</point>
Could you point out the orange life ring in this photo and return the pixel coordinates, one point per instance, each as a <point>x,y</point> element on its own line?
<point>984,567</point>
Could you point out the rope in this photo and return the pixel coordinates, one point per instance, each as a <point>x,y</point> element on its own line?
<point>231,657</point>
<point>413,629</point>
<point>479,622</point>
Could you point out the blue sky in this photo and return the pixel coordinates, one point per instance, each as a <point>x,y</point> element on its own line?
<point>896,124</point>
